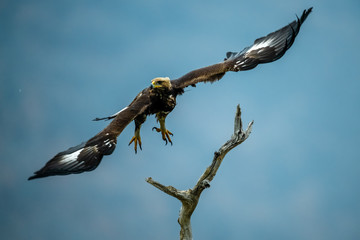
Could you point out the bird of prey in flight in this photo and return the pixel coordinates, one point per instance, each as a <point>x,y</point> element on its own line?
<point>160,99</point>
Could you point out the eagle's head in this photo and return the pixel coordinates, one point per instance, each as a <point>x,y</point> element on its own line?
<point>161,83</point>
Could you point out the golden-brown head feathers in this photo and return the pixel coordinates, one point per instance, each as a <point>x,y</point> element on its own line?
<point>161,82</point>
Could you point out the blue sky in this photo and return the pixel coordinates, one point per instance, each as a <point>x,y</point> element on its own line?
<point>63,63</point>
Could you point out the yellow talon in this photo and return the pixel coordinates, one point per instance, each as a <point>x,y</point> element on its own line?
<point>160,117</point>
<point>137,140</point>
<point>165,134</point>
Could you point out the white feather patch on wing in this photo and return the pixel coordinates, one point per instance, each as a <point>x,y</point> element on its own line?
<point>108,143</point>
<point>68,158</point>
<point>114,115</point>
<point>260,45</point>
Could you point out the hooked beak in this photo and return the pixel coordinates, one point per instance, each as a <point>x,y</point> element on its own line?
<point>154,84</point>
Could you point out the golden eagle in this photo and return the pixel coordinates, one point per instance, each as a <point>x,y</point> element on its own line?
<point>160,99</point>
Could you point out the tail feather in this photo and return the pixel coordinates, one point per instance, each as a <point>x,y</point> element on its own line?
<point>81,158</point>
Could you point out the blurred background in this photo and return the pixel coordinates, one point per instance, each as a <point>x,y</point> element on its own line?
<point>63,63</point>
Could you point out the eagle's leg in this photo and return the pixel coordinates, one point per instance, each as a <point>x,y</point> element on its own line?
<point>160,116</point>
<point>139,120</point>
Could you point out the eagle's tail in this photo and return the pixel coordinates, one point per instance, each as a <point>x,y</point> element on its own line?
<point>84,157</point>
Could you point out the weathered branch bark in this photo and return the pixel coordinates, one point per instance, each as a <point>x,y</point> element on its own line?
<point>190,198</point>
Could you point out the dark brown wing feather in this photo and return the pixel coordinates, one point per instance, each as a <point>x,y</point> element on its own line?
<point>123,118</point>
<point>87,156</point>
<point>206,74</point>
<point>265,49</point>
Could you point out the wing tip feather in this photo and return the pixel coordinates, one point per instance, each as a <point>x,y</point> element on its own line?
<point>81,158</point>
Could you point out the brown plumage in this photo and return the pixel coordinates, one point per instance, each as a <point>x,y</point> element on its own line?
<point>160,99</point>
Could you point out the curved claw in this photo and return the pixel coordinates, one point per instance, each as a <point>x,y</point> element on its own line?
<point>165,134</point>
<point>136,140</point>
<point>157,129</point>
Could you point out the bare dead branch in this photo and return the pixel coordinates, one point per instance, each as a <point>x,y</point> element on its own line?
<point>170,190</point>
<point>190,198</point>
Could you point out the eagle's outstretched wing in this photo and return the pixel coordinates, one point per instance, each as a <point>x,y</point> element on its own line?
<point>265,49</point>
<point>87,156</point>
